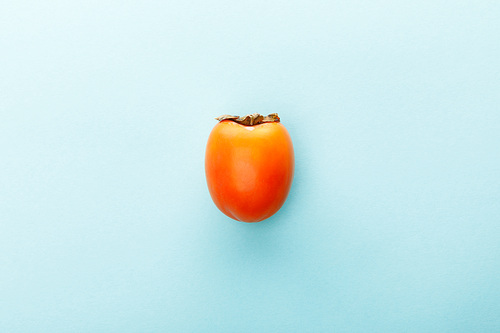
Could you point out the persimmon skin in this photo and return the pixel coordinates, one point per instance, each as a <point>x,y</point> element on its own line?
<point>249,169</point>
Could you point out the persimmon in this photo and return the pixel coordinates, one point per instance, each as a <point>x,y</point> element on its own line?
<point>249,166</point>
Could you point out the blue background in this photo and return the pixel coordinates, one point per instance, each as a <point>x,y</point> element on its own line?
<point>392,223</point>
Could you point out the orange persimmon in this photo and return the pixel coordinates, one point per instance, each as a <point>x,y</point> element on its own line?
<point>249,166</point>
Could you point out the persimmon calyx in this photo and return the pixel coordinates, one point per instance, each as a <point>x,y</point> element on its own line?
<point>251,119</point>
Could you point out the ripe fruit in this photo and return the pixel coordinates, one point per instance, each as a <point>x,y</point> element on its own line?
<point>249,165</point>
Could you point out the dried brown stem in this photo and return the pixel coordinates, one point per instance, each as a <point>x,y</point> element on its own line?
<point>251,119</point>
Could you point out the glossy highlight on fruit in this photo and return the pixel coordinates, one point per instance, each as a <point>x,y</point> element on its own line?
<point>249,166</point>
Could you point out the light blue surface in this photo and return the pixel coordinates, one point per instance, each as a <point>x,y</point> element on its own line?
<point>393,221</point>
